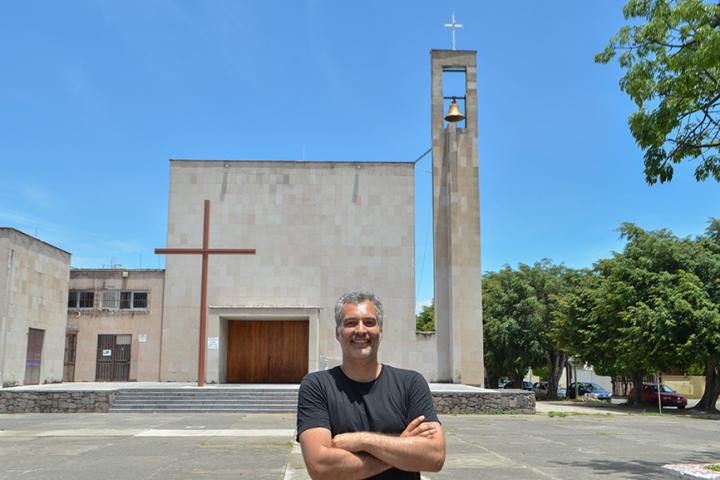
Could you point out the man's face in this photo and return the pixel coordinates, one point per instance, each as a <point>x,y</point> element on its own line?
<point>359,334</point>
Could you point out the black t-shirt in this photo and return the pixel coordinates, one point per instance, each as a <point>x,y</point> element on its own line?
<point>329,399</point>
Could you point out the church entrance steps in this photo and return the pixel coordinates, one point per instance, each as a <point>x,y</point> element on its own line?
<point>205,400</point>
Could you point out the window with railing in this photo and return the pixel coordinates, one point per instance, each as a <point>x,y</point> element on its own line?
<point>124,300</point>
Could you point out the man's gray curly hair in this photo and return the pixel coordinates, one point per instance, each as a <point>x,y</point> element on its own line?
<point>356,298</point>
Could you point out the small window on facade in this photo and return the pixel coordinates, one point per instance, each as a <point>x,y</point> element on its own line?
<point>125,300</point>
<point>140,300</point>
<point>81,299</point>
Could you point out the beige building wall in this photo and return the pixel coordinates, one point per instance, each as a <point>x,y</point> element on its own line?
<point>144,325</point>
<point>692,386</point>
<point>320,229</point>
<point>33,294</point>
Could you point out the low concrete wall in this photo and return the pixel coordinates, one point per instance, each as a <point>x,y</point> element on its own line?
<point>56,402</point>
<point>509,402</point>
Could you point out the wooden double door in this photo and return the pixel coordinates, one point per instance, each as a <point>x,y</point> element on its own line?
<point>267,351</point>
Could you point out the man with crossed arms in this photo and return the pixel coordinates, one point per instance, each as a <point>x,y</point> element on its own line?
<point>365,419</point>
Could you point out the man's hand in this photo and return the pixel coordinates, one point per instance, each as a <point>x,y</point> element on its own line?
<point>420,447</point>
<point>354,441</point>
<point>324,461</point>
<point>418,428</point>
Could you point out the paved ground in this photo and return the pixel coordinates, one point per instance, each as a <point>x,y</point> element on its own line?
<point>560,445</point>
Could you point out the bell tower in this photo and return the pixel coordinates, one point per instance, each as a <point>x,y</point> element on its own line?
<point>456,217</point>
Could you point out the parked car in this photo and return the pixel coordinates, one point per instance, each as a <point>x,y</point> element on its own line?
<point>541,390</point>
<point>591,389</point>
<point>562,393</point>
<point>668,396</point>
<point>525,385</point>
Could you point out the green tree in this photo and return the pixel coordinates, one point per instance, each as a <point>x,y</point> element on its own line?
<point>513,325</point>
<point>571,305</point>
<point>425,320</point>
<point>552,284</point>
<point>707,267</point>
<point>592,328</point>
<point>648,308</point>
<point>678,320</point>
<point>672,73</point>
<point>522,310</point>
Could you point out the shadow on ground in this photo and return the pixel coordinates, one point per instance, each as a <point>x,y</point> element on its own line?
<point>635,409</point>
<point>619,469</point>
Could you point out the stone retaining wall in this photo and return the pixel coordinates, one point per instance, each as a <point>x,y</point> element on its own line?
<point>506,402</point>
<point>56,401</point>
<point>510,402</point>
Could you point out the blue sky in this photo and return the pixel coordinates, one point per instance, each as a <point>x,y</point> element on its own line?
<point>97,96</point>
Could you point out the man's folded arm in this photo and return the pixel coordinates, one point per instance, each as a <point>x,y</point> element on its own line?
<point>323,461</point>
<point>418,453</point>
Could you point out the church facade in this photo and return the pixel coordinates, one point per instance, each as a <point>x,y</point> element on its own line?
<point>319,229</point>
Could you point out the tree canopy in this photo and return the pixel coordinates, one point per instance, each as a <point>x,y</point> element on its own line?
<point>672,73</point>
<point>425,320</point>
<point>650,308</point>
<point>520,311</point>
<point>512,320</point>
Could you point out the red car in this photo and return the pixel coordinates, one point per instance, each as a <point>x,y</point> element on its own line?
<point>668,396</point>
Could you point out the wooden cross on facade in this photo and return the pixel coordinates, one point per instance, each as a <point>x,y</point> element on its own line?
<point>205,251</point>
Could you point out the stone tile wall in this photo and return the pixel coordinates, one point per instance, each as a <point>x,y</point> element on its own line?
<point>99,402</point>
<point>56,402</point>
<point>517,402</point>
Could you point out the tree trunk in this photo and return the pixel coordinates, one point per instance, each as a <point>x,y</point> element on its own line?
<point>555,361</point>
<point>568,375</point>
<point>637,379</point>
<point>712,385</point>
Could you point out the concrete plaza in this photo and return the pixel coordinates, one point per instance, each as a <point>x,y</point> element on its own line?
<point>260,446</point>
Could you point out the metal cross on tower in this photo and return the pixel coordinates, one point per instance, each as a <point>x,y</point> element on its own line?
<point>204,251</point>
<point>453,26</point>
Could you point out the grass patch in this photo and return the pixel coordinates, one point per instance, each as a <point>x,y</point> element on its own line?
<point>703,417</point>
<point>553,413</point>
<point>714,468</point>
